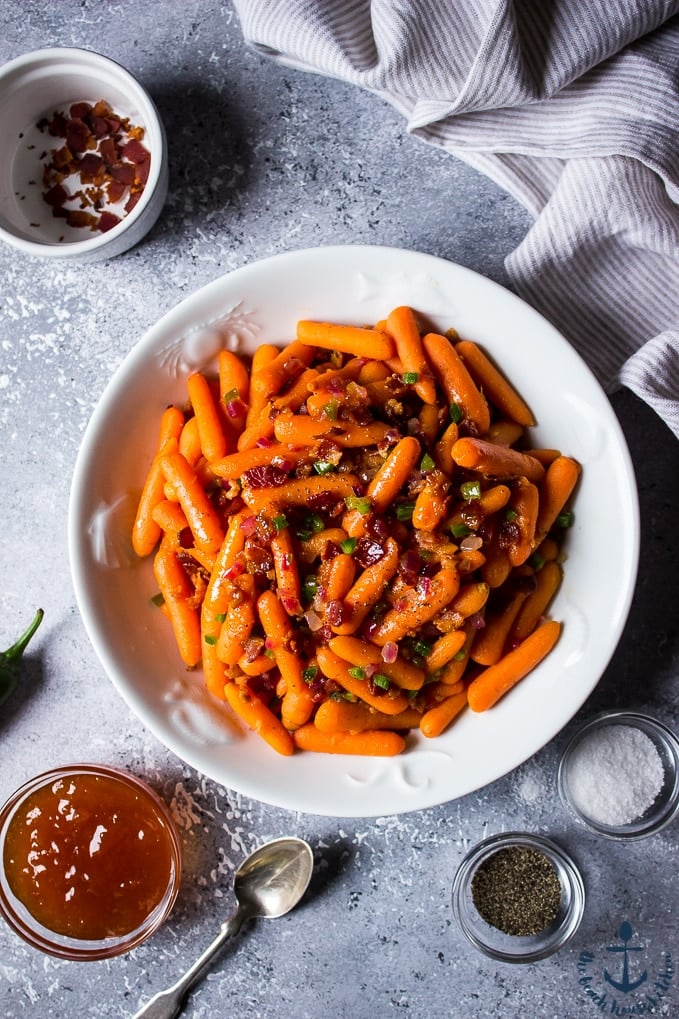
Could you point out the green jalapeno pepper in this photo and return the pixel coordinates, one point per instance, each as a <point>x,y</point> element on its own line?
<point>10,660</point>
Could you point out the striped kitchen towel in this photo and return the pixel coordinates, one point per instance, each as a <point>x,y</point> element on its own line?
<point>570,105</point>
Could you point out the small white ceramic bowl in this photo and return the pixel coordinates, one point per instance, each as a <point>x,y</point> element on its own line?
<point>33,87</point>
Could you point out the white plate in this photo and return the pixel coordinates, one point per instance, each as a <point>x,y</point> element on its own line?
<point>262,302</point>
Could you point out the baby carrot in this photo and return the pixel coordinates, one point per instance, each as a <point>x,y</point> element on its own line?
<point>547,581</point>
<point>177,592</point>
<point>301,491</point>
<point>274,619</point>
<point>443,449</point>
<point>391,701</point>
<point>239,621</point>
<point>445,649</point>
<point>354,716</point>
<point>259,428</point>
<point>458,385</point>
<point>337,576</point>
<point>402,326</point>
<point>312,547</point>
<point>233,379</point>
<point>392,475</point>
<point>297,703</point>
<point>368,743</point>
<point>189,442</point>
<point>203,519</point>
<point>303,430</point>
<point>258,392</point>
<point>170,518</point>
<point>354,340</point>
<point>285,367</point>
<point>254,712</point>
<point>491,640</point>
<point>437,719</point>
<point>363,653</point>
<point>558,484</point>
<point>234,465</point>
<point>525,505</point>
<point>490,685</point>
<point>145,531</point>
<point>504,433</point>
<point>294,396</point>
<point>471,598</point>
<point>287,574</point>
<point>210,428</point>
<point>368,588</point>
<point>494,384</point>
<point>420,606</point>
<point>496,461</point>
<point>431,503</point>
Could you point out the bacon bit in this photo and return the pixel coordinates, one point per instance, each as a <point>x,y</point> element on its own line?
<point>107,221</point>
<point>368,552</point>
<point>264,476</point>
<point>104,155</point>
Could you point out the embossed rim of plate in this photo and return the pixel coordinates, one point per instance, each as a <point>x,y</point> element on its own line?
<point>361,283</point>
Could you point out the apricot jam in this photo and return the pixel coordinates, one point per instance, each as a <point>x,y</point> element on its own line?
<point>90,853</point>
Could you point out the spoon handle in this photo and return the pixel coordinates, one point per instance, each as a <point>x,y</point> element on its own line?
<point>168,1004</point>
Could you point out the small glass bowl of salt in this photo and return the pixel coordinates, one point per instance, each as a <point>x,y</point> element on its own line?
<point>619,775</point>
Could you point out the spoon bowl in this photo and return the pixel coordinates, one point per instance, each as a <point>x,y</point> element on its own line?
<point>268,884</point>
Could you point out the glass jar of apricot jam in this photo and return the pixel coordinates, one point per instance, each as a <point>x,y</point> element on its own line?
<point>91,862</point>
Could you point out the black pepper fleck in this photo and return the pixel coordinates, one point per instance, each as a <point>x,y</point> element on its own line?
<point>517,890</point>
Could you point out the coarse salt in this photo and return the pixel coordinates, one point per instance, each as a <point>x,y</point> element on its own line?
<point>615,775</point>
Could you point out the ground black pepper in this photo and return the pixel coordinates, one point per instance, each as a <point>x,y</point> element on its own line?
<point>517,890</point>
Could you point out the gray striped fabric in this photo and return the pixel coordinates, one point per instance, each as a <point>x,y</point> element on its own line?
<point>570,105</point>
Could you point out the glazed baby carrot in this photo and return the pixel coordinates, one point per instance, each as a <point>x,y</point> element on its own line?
<point>239,621</point>
<point>234,382</point>
<point>368,588</point>
<point>445,649</point>
<point>459,387</point>
<point>286,365</point>
<point>555,490</point>
<point>354,716</point>
<point>491,640</point>
<point>431,503</point>
<point>189,442</point>
<point>524,507</point>
<point>177,593</point>
<point>234,465</point>
<point>145,531</point>
<point>496,461</point>
<point>170,518</point>
<point>493,383</point>
<point>285,568</point>
<point>354,340</point>
<point>420,606</point>
<point>369,743</point>
<point>494,682</point>
<point>403,328</point>
<point>302,491</point>
<point>390,478</point>
<point>362,653</point>
<point>254,712</point>
<point>337,576</point>
<point>390,701</point>
<point>258,392</point>
<point>202,517</point>
<point>547,582</point>
<point>437,719</point>
<point>206,411</point>
<point>300,429</point>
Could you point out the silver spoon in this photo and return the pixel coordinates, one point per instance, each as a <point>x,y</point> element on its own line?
<point>269,883</point>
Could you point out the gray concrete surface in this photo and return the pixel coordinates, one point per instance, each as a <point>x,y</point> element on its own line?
<point>264,160</point>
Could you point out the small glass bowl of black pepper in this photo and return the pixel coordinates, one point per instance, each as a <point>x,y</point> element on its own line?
<point>518,897</point>
<point>619,775</point>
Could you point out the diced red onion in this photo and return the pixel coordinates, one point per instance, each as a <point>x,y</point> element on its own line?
<point>471,543</point>
<point>248,524</point>
<point>313,621</point>
<point>264,442</point>
<point>477,621</point>
<point>390,652</point>
<point>234,570</point>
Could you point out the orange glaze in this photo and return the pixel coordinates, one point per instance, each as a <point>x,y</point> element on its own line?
<point>89,856</point>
